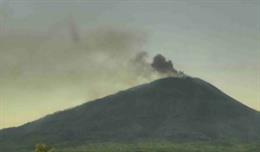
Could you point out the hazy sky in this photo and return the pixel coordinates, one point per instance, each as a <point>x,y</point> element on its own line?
<point>58,54</point>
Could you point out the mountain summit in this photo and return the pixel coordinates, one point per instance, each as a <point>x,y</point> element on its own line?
<point>166,109</point>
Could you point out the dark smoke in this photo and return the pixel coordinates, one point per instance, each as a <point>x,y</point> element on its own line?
<point>161,65</point>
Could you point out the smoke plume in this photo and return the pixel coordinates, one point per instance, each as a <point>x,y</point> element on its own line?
<point>161,65</point>
<point>57,73</point>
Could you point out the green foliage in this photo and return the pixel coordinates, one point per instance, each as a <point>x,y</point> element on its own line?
<point>166,147</point>
<point>42,148</point>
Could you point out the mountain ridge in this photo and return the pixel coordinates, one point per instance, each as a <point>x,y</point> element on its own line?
<point>165,109</point>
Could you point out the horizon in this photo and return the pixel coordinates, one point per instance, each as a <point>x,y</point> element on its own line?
<point>55,55</point>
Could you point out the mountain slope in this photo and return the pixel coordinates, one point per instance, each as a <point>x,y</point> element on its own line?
<point>167,109</point>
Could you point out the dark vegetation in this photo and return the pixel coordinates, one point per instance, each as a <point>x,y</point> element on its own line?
<point>187,113</point>
<point>161,147</point>
<point>216,146</point>
<point>42,148</point>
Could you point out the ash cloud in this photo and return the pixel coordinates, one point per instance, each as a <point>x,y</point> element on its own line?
<point>161,65</point>
<point>104,61</point>
<point>99,64</point>
<point>57,71</point>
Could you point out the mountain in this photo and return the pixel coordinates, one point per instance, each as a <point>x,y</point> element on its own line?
<point>166,109</point>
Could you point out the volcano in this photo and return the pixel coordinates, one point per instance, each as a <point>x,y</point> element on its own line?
<point>182,109</point>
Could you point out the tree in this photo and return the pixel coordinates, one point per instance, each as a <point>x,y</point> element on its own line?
<point>42,148</point>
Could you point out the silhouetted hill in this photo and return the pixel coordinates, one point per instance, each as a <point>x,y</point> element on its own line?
<point>166,109</point>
